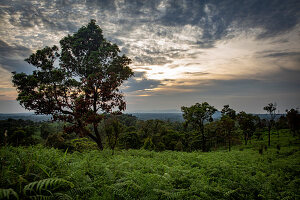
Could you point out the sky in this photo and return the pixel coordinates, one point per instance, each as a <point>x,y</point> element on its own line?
<point>244,53</point>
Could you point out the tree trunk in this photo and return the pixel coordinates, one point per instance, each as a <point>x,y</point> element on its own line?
<point>246,138</point>
<point>229,144</point>
<point>203,141</point>
<point>98,137</point>
<point>269,136</point>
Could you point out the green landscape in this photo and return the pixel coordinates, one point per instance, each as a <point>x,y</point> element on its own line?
<point>57,166</point>
<point>83,139</point>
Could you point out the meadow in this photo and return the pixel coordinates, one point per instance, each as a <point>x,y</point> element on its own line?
<point>246,172</point>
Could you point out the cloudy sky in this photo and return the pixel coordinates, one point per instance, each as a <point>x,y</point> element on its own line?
<point>244,53</point>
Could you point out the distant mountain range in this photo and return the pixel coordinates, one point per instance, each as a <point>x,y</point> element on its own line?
<point>141,116</point>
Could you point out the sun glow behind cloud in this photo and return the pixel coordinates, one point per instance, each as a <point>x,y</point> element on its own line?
<point>232,58</point>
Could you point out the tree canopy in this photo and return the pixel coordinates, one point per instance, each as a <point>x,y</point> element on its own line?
<point>77,81</point>
<point>196,115</point>
<point>270,109</point>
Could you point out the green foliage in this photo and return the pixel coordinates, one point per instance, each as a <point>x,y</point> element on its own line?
<point>148,144</point>
<point>43,173</point>
<point>129,140</point>
<point>270,109</point>
<point>113,130</point>
<point>82,144</point>
<point>196,115</point>
<point>57,140</point>
<point>7,193</point>
<point>247,124</point>
<point>227,111</point>
<point>86,81</point>
<point>227,129</point>
<point>293,118</point>
<point>17,132</point>
<point>46,185</point>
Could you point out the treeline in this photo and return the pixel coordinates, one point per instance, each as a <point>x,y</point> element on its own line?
<point>198,132</point>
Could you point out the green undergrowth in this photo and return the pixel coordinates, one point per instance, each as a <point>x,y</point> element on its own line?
<point>41,173</point>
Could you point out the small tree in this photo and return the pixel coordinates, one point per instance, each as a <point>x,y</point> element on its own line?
<point>227,123</point>
<point>270,108</point>
<point>293,118</point>
<point>113,130</point>
<point>227,126</point>
<point>196,115</point>
<point>77,82</point>
<point>228,112</point>
<point>247,125</point>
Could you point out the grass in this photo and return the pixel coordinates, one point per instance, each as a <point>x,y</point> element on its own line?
<point>37,172</point>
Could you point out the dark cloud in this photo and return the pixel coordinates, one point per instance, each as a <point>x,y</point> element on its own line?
<point>189,64</point>
<point>12,57</point>
<point>196,73</point>
<point>282,54</point>
<point>284,81</point>
<point>141,83</point>
<point>206,44</point>
<point>53,15</point>
<point>139,74</point>
<point>215,18</point>
<point>16,50</point>
<point>274,16</point>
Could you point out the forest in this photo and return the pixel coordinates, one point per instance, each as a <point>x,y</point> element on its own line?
<point>90,150</point>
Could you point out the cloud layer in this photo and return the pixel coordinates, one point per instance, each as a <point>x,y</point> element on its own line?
<point>183,51</point>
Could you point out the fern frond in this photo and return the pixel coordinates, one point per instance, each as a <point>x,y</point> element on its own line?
<point>41,197</point>
<point>45,184</point>
<point>6,193</point>
<point>81,191</point>
<point>170,195</point>
<point>62,196</point>
<point>47,170</point>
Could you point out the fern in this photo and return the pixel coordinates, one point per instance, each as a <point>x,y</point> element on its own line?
<point>6,193</point>
<point>170,195</point>
<point>41,197</point>
<point>50,173</point>
<point>45,184</point>
<point>62,196</point>
<point>81,191</point>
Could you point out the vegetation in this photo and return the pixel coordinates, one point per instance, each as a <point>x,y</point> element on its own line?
<point>74,168</point>
<point>84,82</point>
<point>151,159</point>
<point>196,115</point>
<point>270,109</point>
<point>41,173</point>
<point>293,118</point>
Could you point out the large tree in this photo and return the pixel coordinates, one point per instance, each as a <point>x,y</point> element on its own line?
<point>76,82</point>
<point>196,115</point>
